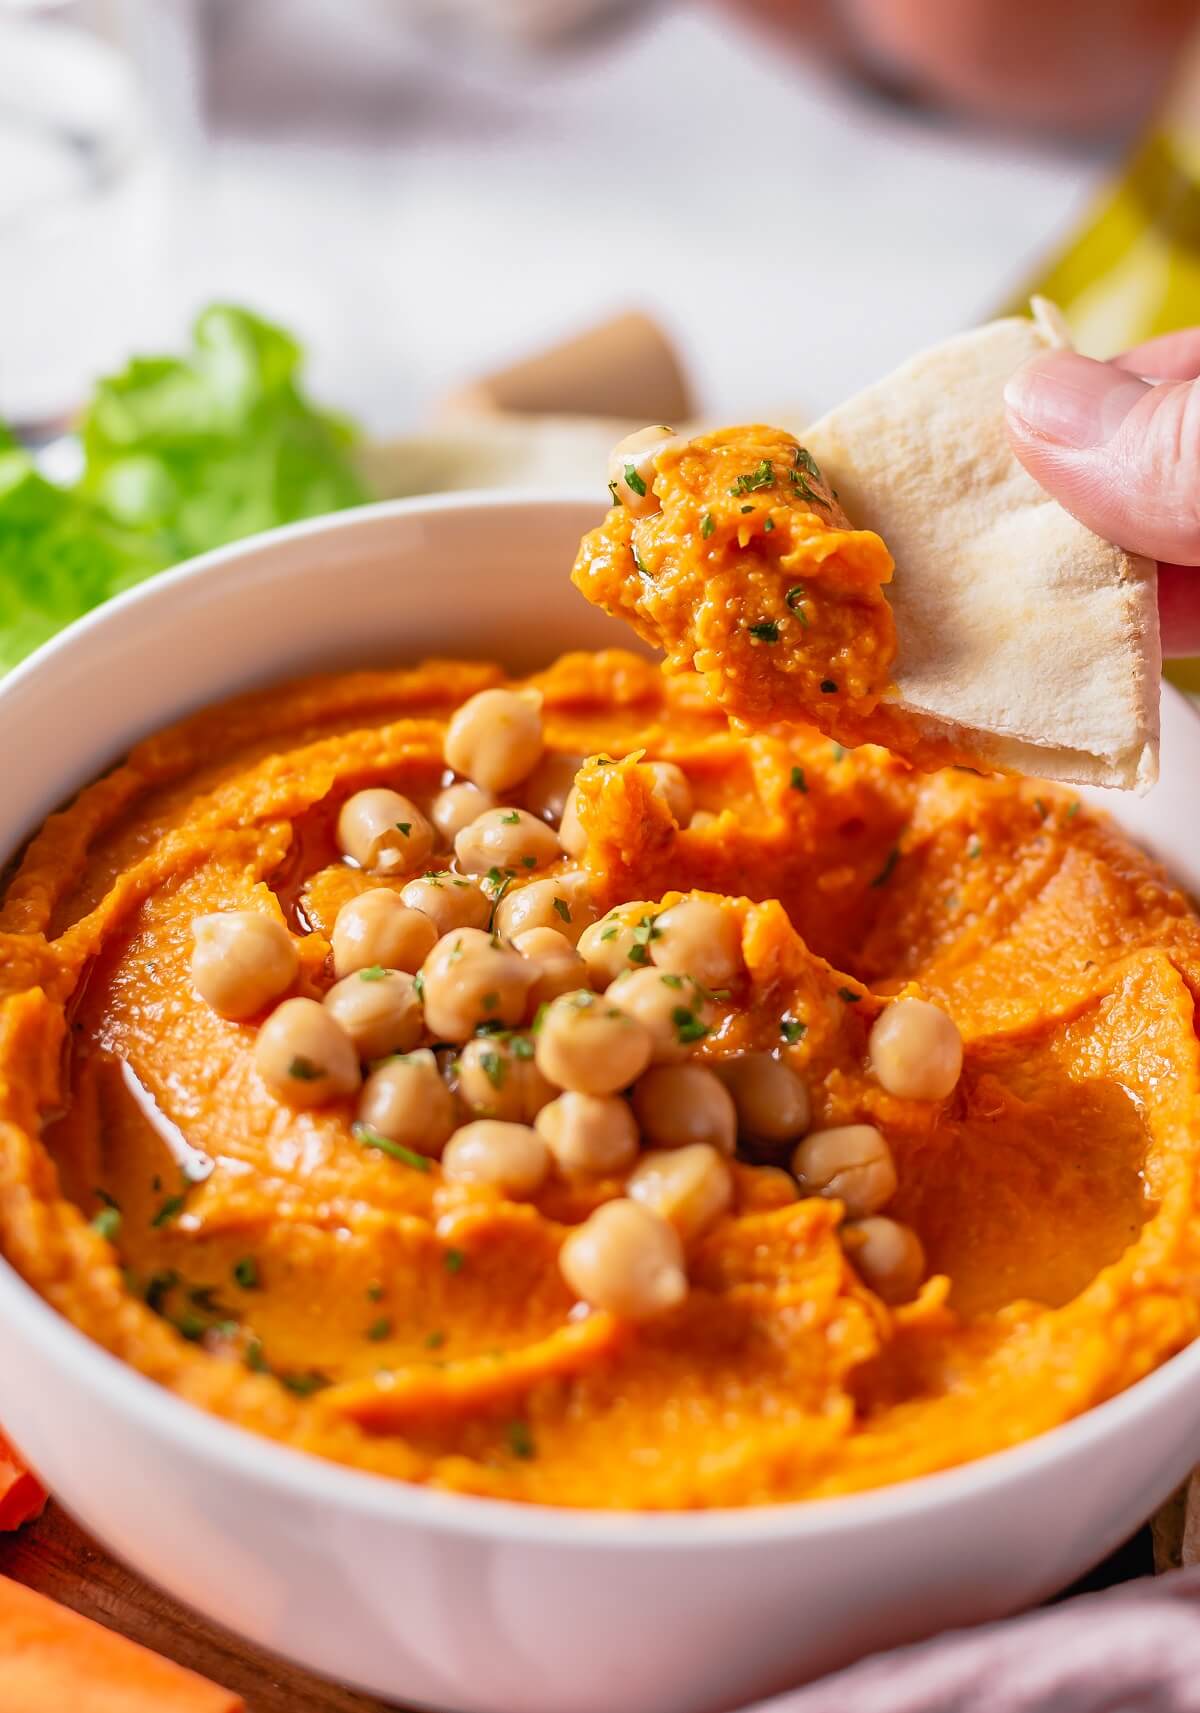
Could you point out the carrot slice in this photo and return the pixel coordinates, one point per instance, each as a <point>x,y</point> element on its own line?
<point>55,1659</point>
<point>21,1494</point>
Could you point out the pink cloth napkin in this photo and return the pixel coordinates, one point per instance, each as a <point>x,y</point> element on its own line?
<point>1131,1649</point>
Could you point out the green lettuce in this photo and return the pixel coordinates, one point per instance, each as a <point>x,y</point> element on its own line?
<point>179,455</point>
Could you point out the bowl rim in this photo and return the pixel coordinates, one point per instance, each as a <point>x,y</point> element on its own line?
<point>291,1473</point>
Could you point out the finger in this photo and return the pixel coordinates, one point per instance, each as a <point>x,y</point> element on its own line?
<point>1179,609</point>
<point>1171,357</point>
<point>1121,455</point>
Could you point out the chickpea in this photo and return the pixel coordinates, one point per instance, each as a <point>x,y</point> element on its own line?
<point>380,1011</point>
<point>678,1104</point>
<point>771,1100</point>
<point>625,1259</point>
<point>561,901</point>
<point>591,1046</point>
<point>671,784</point>
<point>572,835</point>
<point>511,1156</point>
<point>560,969</point>
<point>692,1187</point>
<point>703,818</point>
<point>243,959</point>
<point>614,943</point>
<point>468,979</point>
<point>449,900</point>
<point>384,831</point>
<point>498,1078</point>
<point>675,1011</point>
<point>631,469</point>
<point>304,1056</point>
<point>379,930</point>
<point>852,1163</point>
<point>407,1101</point>
<point>495,738</point>
<point>698,938</point>
<point>457,806</point>
<point>915,1050</point>
<point>888,1255</point>
<point>589,1134</point>
<point>549,785</point>
<point>506,838</point>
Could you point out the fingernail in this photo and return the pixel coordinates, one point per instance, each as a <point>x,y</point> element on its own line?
<point>1072,400</point>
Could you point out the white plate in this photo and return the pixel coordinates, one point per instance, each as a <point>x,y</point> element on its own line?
<point>468,1603</point>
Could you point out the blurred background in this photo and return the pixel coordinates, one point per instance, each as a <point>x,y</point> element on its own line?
<point>490,231</point>
<point>799,192</point>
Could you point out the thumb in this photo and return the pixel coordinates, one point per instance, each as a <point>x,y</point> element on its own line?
<point>1122,454</point>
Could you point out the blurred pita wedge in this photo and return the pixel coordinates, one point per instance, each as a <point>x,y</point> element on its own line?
<point>1024,641</point>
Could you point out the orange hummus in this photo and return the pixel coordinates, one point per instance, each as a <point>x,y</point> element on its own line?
<point>750,572</point>
<point>264,1264</point>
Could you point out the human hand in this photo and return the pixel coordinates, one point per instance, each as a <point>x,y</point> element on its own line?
<point>1118,444</point>
<point>1074,65</point>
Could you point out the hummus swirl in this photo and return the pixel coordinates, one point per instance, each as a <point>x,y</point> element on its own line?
<point>264,1264</point>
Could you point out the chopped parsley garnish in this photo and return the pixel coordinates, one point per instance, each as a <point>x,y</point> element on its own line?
<point>371,1138</point>
<point>1041,808</point>
<point>804,460</point>
<point>520,1440</point>
<point>639,951</point>
<point>305,1382</point>
<point>255,1359</point>
<point>795,599</point>
<point>107,1223</point>
<point>610,933</point>
<point>850,997</point>
<point>404,827</point>
<point>637,559</point>
<point>766,630</point>
<point>454,1260</point>
<point>634,482</point>
<point>792,1029</point>
<point>616,498</point>
<point>562,908</point>
<point>374,972</point>
<point>304,1070</point>
<point>763,476</point>
<point>520,1048</point>
<point>828,687</point>
<point>671,980</point>
<point>380,1329</point>
<point>169,1210</point>
<point>493,1068</point>
<point>769,525</point>
<point>974,846</point>
<point>246,1274</point>
<point>839,753</point>
<point>745,509</point>
<point>419,985</point>
<point>799,783</point>
<point>1073,809</point>
<point>374,1291</point>
<point>707,524</point>
<point>434,1340</point>
<point>490,1001</point>
<point>889,864</point>
<point>688,1027</point>
<point>513,819</point>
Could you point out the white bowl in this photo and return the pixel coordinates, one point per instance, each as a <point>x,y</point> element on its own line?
<point>469,1603</point>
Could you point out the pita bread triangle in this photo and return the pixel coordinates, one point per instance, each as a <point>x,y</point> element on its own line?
<point>1024,641</point>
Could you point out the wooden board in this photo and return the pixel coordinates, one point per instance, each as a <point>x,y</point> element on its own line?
<point>58,1559</point>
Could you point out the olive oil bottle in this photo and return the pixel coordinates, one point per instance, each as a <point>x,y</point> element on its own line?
<point>1132,270</point>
